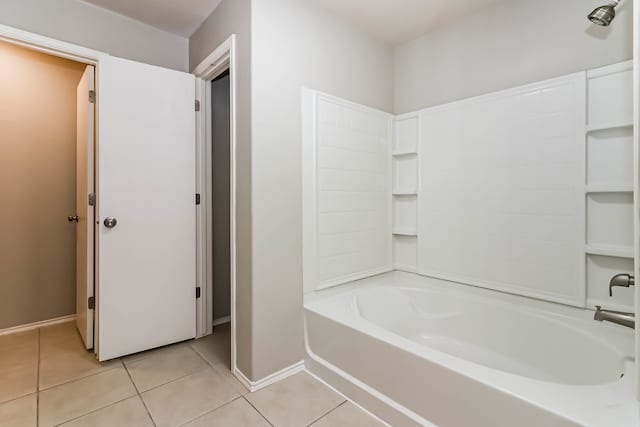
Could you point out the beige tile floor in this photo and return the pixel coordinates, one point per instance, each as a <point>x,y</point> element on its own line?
<point>48,379</point>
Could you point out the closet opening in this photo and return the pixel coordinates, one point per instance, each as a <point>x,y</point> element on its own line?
<point>47,200</point>
<point>216,241</point>
<point>218,238</point>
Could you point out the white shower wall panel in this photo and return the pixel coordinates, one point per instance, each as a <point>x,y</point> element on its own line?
<point>501,199</point>
<point>348,178</point>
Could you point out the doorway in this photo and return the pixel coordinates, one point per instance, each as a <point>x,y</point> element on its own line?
<point>216,248</point>
<point>143,271</point>
<point>47,113</point>
<point>220,202</point>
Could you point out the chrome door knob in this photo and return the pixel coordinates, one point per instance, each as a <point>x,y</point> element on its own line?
<point>110,222</point>
<point>74,218</point>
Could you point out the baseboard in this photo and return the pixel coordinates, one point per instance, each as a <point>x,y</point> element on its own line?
<point>270,379</point>
<point>36,325</point>
<point>221,321</point>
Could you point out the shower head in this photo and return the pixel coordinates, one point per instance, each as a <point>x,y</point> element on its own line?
<point>603,15</point>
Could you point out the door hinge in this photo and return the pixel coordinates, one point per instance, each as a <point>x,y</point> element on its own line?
<point>92,199</point>
<point>92,96</point>
<point>197,105</point>
<point>197,198</point>
<point>91,303</point>
<point>197,292</point>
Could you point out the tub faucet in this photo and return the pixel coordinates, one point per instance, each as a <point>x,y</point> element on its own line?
<point>618,317</point>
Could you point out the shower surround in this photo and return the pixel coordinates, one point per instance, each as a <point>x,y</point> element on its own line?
<point>514,209</point>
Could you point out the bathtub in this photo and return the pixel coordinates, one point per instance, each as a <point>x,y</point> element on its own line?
<point>421,351</point>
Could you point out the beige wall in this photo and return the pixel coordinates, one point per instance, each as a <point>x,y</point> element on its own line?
<point>86,25</point>
<point>282,46</point>
<point>37,185</point>
<point>234,17</point>
<point>295,44</point>
<point>508,44</point>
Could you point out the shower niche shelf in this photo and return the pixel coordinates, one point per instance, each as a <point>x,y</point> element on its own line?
<point>610,220</point>
<point>610,251</point>
<point>405,253</point>
<point>405,215</point>
<point>609,159</point>
<point>405,174</point>
<point>404,154</point>
<point>406,233</point>
<point>625,124</point>
<point>613,188</point>
<point>406,135</point>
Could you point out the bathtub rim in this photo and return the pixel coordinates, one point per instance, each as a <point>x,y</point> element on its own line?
<point>622,388</point>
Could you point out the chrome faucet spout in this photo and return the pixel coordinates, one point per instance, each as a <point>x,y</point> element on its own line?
<point>617,317</point>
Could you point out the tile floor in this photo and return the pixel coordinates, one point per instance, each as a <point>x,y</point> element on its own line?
<point>48,379</point>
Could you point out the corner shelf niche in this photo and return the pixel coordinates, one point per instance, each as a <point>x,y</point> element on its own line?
<point>609,183</point>
<point>405,192</point>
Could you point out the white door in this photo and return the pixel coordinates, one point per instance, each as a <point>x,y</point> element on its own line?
<point>146,286</point>
<point>84,212</point>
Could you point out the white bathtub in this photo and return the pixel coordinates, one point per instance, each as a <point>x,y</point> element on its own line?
<point>421,351</point>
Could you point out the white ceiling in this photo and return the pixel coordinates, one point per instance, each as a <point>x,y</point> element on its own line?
<point>181,17</point>
<point>391,21</point>
<point>398,21</point>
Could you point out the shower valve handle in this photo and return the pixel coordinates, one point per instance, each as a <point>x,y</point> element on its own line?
<point>621,280</point>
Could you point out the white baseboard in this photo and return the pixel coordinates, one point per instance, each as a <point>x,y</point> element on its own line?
<point>221,321</point>
<point>270,379</point>
<point>36,325</point>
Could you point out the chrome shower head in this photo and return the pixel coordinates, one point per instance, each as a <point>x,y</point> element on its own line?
<point>603,15</point>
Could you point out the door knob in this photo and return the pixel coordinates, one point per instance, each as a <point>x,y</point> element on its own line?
<point>110,222</point>
<point>74,218</point>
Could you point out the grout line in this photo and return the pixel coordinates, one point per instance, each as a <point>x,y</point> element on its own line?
<point>138,392</point>
<point>190,345</point>
<point>168,382</point>
<point>215,366</point>
<point>79,378</point>
<point>38,383</point>
<point>13,399</point>
<point>326,413</point>
<point>211,410</point>
<point>92,411</point>
<point>257,410</point>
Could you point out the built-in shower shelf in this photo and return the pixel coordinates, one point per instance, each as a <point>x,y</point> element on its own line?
<point>609,126</point>
<point>405,153</point>
<point>409,233</point>
<point>609,188</point>
<point>607,250</point>
<point>405,192</point>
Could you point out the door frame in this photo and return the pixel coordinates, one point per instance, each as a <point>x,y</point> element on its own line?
<point>86,56</point>
<point>223,58</point>
<point>636,172</point>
